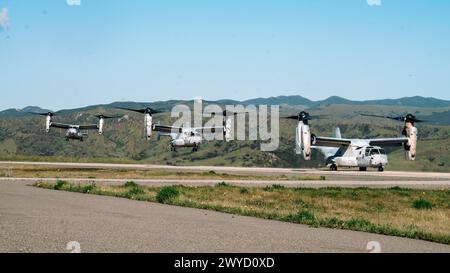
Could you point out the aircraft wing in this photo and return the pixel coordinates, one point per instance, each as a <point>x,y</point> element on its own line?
<point>331,142</point>
<point>60,125</point>
<point>88,127</point>
<point>209,129</point>
<point>167,129</point>
<point>385,142</point>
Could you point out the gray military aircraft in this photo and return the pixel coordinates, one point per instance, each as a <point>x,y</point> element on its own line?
<point>74,131</point>
<point>181,136</point>
<point>362,153</point>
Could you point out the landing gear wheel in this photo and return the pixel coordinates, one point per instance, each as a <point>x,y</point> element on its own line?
<point>380,168</point>
<point>195,148</point>
<point>362,169</point>
<point>81,139</point>
<point>333,167</point>
<point>67,139</point>
<point>172,149</point>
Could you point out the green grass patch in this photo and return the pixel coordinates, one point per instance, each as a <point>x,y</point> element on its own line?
<point>166,194</point>
<point>88,188</point>
<point>136,191</point>
<point>278,187</point>
<point>304,216</point>
<point>243,190</point>
<point>130,184</point>
<point>422,203</point>
<point>60,184</point>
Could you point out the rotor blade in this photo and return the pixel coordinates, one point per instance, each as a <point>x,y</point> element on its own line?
<point>378,116</point>
<point>42,114</point>
<point>399,118</point>
<point>301,116</point>
<point>147,110</point>
<point>291,117</point>
<point>134,110</point>
<point>228,112</point>
<point>107,117</point>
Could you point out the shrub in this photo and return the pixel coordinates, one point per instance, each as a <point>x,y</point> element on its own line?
<point>130,184</point>
<point>166,194</point>
<point>304,216</point>
<point>243,190</point>
<point>88,188</point>
<point>136,191</point>
<point>60,184</point>
<point>221,184</point>
<point>422,204</point>
<point>278,187</point>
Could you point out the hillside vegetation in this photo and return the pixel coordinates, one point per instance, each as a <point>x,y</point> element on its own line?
<point>24,138</point>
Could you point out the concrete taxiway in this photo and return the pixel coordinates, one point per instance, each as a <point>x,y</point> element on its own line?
<point>413,184</point>
<point>344,178</point>
<point>40,220</point>
<point>339,175</point>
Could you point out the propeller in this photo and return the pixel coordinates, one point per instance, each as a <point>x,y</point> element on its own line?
<point>147,110</point>
<point>408,118</point>
<point>302,116</point>
<point>226,113</point>
<point>51,114</point>
<point>101,116</point>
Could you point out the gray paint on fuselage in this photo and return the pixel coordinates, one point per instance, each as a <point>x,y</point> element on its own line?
<point>352,155</point>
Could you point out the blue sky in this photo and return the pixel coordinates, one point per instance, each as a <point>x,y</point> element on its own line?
<point>57,55</point>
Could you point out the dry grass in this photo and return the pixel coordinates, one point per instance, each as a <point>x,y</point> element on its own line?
<point>93,173</point>
<point>384,211</point>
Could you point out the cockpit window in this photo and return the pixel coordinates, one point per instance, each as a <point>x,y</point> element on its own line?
<point>382,152</point>
<point>374,152</point>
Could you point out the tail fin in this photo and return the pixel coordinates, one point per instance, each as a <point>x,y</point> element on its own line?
<point>337,132</point>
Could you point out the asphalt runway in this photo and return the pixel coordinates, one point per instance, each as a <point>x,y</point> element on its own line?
<point>40,220</point>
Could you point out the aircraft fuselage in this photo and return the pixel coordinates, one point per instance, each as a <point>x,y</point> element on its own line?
<point>357,154</point>
<point>74,133</point>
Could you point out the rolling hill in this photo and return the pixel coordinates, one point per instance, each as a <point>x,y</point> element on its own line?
<point>22,137</point>
<point>295,100</point>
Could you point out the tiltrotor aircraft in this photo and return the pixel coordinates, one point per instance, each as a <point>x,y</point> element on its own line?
<point>362,153</point>
<point>181,136</point>
<point>74,131</point>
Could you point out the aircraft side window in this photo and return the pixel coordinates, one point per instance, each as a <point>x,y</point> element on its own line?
<point>374,152</point>
<point>367,152</point>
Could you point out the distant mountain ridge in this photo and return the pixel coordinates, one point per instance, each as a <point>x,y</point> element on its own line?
<point>12,112</point>
<point>416,101</point>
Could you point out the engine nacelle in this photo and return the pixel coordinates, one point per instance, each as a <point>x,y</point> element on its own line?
<point>303,140</point>
<point>48,121</point>
<point>101,122</point>
<point>148,123</point>
<point>227,129</point>
<point>411,133</point>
